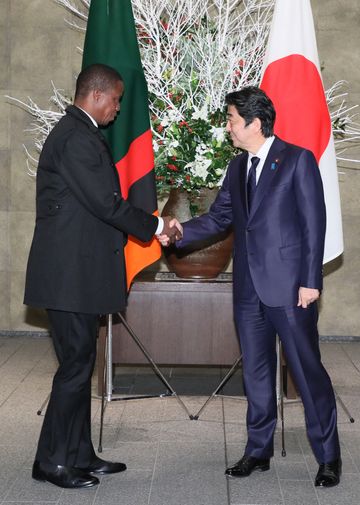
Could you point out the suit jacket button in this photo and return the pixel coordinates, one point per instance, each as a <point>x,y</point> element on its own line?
<point>116,251</point>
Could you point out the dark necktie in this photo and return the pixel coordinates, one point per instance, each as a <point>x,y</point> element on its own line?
<point>251,181</point>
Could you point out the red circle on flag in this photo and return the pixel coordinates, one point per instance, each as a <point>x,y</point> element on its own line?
<point>302,117</point>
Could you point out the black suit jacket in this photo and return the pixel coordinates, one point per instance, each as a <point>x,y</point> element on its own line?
<point>76,261</point>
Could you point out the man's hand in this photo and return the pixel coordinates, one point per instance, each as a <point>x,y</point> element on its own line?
<point>172,231</point>
<point>307,296</point>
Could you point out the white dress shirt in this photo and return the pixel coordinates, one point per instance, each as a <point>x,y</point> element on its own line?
<point>262,155</point>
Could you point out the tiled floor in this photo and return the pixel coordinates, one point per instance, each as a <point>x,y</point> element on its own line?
<point>171,459</point>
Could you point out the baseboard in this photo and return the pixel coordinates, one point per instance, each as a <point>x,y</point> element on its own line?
<point>339,338</point>
<point>23,333</point>
<point>45,333</point>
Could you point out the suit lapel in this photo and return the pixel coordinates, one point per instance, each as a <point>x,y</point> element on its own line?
<point>103,140</point>
<point>270,170</point>
<point>79,114</point>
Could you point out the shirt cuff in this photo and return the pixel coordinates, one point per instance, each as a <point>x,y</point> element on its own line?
<point>160,226</point>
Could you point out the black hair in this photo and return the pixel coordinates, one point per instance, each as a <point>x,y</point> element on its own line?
<point>252,102</point>
<point>96,76</point>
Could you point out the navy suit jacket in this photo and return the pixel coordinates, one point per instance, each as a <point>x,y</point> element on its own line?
<point>281,241</point>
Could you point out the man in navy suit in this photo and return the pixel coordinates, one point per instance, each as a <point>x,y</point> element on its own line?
<point>272,195</point>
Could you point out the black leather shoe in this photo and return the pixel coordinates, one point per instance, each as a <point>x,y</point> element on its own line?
<point>63,476</point>
<point>329,474</point>
<point>247,465</point>
<point>101,467</point>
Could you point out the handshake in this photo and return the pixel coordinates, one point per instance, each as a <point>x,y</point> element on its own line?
<point>171,232</point>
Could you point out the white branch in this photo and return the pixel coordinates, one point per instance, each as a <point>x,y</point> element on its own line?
<point>202,48</point>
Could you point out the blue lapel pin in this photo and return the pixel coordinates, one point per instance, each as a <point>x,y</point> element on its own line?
<point>274,164</point>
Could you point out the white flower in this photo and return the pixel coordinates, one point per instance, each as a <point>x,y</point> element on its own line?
<point>172,115</point>
<point>202,148</point>
<point>200,113</point>
<point>165,121</point>
<point>218,133</point>
<point>199,167</point>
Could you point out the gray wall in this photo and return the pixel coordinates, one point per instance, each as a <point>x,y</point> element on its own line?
<point>36,46</point>
<point>337,25</point>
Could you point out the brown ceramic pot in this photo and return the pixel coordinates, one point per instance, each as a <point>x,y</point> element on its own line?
<point>206,259</point>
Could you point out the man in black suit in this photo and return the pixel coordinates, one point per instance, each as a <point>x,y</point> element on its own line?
<point>76,268</point>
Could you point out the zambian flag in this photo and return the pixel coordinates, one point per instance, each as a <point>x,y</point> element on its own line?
<point>111,39</point>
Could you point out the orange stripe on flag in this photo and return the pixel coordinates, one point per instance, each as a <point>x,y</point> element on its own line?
<point>137,162</point>
<point>139,255</point>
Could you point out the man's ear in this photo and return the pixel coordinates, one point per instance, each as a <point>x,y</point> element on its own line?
<point>256,124</point>
<point>96,93</point>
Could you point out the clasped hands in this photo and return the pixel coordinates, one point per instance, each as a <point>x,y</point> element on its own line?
<point>171,232</point>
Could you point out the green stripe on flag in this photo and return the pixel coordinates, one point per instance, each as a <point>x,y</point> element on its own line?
<point>111,39</point>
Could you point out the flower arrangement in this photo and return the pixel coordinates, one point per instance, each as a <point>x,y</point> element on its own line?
<point>193,150</point>
<point>193,54</point>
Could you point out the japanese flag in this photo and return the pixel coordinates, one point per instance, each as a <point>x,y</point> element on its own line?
<point>292,79</point>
